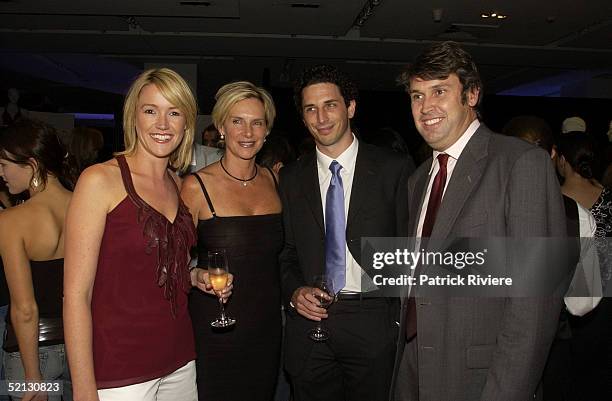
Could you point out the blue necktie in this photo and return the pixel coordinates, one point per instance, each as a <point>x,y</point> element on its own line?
<point>335,230</point>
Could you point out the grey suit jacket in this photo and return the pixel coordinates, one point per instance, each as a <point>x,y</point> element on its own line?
<point>488,349</point>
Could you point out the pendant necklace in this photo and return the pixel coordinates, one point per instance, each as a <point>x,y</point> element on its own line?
<point>245,181</point>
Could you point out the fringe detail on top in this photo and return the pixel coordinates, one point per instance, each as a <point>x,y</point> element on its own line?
<point>172,241</point>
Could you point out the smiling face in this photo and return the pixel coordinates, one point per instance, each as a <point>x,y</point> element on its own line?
<point>245,128</point>
<point>160,125</point>
<point>439,114</point>
<point>327,117</point>
<point>17,176</point>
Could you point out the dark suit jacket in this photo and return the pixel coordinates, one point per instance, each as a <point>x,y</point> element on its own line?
<point>377,209</point>
<point>488,349</point>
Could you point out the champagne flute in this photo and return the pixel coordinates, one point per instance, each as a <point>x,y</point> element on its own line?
<point>218,275</point>
<point>322,290</point>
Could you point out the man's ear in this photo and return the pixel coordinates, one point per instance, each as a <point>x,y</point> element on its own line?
<point>351,108</point>
<point>472,97</point>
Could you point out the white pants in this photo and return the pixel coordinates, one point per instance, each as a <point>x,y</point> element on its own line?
<point>179,385</point>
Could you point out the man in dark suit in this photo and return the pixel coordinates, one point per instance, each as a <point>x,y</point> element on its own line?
<point>332,197</point>
<point>477,184</point>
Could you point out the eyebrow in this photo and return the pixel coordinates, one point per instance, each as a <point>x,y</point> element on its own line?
<point>156,106</point>
<point>325,102</point>
<point>242,118</point>
<point>438,86</point>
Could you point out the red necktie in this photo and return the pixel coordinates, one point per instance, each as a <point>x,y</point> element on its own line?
<point>435,198</point>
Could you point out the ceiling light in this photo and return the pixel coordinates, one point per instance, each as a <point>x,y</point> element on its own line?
<point>493,14</point>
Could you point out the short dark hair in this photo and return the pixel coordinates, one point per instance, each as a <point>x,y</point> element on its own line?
<point>439,61</point>
<point>324,73</point>
<point>532,129</point>
<point>276,149</point>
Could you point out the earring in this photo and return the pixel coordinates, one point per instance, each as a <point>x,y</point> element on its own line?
<point>35,182</point>
<point>221,136</point>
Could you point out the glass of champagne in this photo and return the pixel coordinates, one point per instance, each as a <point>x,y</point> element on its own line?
<point>322,290</point>
<point>218,274</point>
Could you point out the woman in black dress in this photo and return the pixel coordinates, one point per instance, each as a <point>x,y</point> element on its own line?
<point>592,334</point>
<point>235,205</point>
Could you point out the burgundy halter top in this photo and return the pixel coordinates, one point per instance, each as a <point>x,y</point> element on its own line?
<point>141,326</point>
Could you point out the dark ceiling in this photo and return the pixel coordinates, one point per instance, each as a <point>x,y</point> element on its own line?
<point>543,48</point>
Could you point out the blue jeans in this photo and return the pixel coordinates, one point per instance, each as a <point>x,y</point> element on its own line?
<point>3,312</point>
<point>53,366</point>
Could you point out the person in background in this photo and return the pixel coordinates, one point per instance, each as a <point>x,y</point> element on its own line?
<point>84,145</point>
<point>558,377</point>
<point>5,202</point>
<point>606,179</point>
<point>592,336</point>
<point>203,156</point>
<point>211,136</point>
<point>389,138</point>
<point>128,235</point>
<point>573,124</point>
<point>276,153</point>
<point>236,207</point>
<point>12,111</point>
<point>32,247</point>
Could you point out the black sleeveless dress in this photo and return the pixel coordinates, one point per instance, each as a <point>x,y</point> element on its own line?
<point>241,362</point>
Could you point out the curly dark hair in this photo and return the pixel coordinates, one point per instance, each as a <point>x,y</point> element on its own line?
<point>324,73</point>
<point>439,61</point>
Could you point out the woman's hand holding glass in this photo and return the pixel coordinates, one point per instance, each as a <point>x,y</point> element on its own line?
<point>200,278</point>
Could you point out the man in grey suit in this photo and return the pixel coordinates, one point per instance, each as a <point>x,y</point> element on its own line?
<point>477,184</point>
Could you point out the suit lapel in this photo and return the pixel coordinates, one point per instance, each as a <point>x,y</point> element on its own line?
<point>363,181</point>
<point>418,197</point>
<point>309,177</point>
<point>466,175</point>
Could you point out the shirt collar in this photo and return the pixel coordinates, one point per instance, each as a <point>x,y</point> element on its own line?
<point>346,159</point>
<point>456,148</point>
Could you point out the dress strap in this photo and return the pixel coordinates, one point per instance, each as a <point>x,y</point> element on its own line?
<point>273,177</point>
<point>127,179</point>
<point>210,205</point>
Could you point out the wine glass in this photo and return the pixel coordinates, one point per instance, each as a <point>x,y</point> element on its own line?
<point>322,290</point>
<point>218,274</point>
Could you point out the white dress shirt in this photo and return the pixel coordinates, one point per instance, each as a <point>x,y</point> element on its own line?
<point>454,151</point>
<point>587,278</point>
<point>347,160</point>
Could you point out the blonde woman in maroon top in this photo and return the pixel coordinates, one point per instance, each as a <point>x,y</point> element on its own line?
<point>128,332</point>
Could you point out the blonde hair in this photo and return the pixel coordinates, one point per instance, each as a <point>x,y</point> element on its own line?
<point>230,94</point>
<point>174,88</point>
